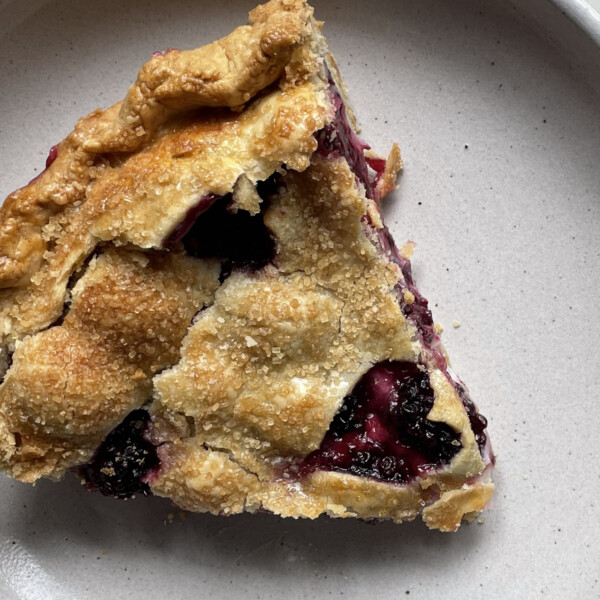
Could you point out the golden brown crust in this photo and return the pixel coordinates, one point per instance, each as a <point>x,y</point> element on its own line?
<point>246,375</point>
<point>204,480</point>
<point>387,182</point>
<point>71,384</point>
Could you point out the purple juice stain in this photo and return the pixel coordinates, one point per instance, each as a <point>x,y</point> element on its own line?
<point>477,420</point>
<point>382,431</point>
<point>124,460</point>
<point>52,156</point>
<point>418,310</point>
<point>419,314</point>
<point>164,52</point>
<point>338,138</point>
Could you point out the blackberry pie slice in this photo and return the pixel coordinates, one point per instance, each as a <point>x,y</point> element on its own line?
<point>199,300</point>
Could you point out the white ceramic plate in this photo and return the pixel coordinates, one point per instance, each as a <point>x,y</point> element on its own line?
<point>508,244</point>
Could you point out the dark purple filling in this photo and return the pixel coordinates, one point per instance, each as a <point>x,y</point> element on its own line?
<point>242,240</point>
<point>124,460</point>
<point>477,420</point>
<point>418,311</point>
<point>382,430</point>
<point>419,314</point>
<point>188,221</point>
<point>338,138</point>
<point>9,362</point>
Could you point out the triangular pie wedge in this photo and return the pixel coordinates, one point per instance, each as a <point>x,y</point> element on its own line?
<point>199,300</point>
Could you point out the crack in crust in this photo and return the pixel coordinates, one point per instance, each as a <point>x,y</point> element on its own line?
<point>89,194</point>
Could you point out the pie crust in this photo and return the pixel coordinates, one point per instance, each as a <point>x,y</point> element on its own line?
<point>104,309</point>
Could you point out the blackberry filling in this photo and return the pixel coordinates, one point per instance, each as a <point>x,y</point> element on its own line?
<point>124,460</point>
<point>241,239</point>
<point>382,430</point>
<point>418,310</point>
<point>338,138</point>
<point>419,314</point>
<point>52,155</point>
<point>477,420</point>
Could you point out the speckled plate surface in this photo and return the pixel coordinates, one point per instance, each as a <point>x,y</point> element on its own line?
<point>497,109</point>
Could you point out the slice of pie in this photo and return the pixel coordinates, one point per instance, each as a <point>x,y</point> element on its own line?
<point>199,300</point>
